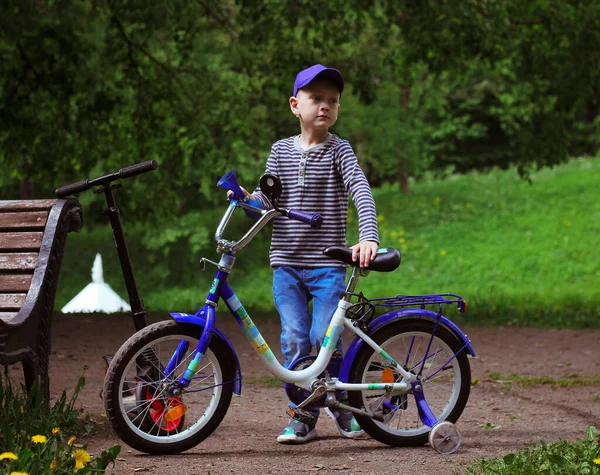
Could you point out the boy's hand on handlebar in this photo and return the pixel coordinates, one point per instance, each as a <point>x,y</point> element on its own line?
<point>365,251</point>
<point>229,193</point>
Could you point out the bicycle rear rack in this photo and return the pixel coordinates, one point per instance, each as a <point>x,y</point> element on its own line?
<point>363,311</point>
<point>421,301</point>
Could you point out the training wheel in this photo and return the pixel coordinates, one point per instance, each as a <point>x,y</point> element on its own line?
<point>445,438</point>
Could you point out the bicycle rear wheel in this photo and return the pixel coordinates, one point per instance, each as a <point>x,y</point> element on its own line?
<point>446,381</point>
<point>137,395</point>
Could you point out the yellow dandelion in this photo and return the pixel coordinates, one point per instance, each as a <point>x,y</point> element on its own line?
<point>8,456</point>
<point>443,252</point>
<point>380,218</point>
<point>468,205</point>
<point>78,466</point>
<point>39,439</point>
<point>597,461</point>
<point>53,465</point>
<point>72,440</point>
<point>19,473</point>
<point>403,241</point>
<point>82,456</point>
<point>56,431</point>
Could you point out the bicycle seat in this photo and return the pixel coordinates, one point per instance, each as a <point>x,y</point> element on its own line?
<point>387,259</point>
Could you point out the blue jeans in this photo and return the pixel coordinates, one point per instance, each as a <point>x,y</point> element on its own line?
<point>293,289</point>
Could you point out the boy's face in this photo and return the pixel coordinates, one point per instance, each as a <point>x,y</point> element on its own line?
<point>317,104</point>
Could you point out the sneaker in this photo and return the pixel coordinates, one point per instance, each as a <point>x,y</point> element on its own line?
<point>346,423</point>
<point>297,432</point>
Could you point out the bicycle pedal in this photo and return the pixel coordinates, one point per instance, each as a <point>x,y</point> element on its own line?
<point>300,415</point>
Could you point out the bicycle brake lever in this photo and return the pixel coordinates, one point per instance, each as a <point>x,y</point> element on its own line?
<point>203,262</point>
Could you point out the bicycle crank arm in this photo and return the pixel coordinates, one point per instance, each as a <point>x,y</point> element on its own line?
<point>297,412</point>
<point>360,412</point>
<point>315,394</point>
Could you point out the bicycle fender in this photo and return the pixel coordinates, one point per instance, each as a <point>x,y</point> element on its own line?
<point>201,321</point>
<point>390,317</point>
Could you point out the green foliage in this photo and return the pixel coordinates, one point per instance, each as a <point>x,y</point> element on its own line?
<point>563,457</point>
<point>518,252</point>
<point>26,413</point>
<point>202,87</point>
<point>34,436</point>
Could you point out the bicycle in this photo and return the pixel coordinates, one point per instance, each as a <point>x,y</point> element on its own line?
<point>406,372</point>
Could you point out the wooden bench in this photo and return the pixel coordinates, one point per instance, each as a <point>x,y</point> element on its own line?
<point>32,238</point>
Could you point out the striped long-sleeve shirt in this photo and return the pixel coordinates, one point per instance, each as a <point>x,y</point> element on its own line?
<point>317,180</point>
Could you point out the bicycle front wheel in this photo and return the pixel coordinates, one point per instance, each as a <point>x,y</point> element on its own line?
<point>139,399</point>
<point>445,380</point>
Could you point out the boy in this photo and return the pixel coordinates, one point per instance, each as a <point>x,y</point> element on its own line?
<point>317,170</point>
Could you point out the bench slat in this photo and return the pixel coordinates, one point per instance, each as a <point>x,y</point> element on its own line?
<point>25,205</point>
<point>14,241</point>
<point>22,261</point>
<point>26,220</point>
<point>15,282</point>
<point>11,301</point>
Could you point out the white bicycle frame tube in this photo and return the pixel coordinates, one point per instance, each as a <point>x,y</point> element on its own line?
<point>304,378</point>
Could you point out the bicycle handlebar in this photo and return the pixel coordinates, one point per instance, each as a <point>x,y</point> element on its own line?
<point>126,172</point>
<point>271,187</point>
<point>315,220</point>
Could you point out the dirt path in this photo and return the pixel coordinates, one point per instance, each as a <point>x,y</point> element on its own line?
<point>500,417</point>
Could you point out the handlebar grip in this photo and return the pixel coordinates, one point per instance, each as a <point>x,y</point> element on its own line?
<point>137,169</point>
<point>315,220</point>
<point>72,189</point>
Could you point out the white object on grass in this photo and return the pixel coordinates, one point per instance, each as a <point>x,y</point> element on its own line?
<point>97,296</point>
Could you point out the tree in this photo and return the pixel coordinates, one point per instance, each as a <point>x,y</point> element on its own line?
<point>202,87</point>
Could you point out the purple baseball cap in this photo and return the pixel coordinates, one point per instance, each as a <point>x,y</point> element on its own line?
<point>306,76</point>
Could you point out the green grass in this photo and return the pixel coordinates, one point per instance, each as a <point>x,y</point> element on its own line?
<point>520,253</point>
<point>569,380</point>
<point>266,381</point>
<point>565,458</point>
<point>41,438</point>
<point>33,416</point>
